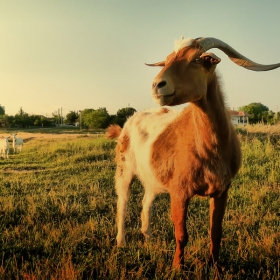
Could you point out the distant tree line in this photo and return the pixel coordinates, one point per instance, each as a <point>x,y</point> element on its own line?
<point>259,113</point>
<point>88,118</point>
<point>100,118</point>
<point>23,119</point>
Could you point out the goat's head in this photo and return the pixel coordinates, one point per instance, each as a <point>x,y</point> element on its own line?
<point>6,139</point>
<point>189,68</point>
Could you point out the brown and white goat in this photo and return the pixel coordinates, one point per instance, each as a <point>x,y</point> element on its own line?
<point>192,152</point>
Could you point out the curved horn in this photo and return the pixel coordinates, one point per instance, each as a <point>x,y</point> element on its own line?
<point>236,57</point>
<point>162,63</point>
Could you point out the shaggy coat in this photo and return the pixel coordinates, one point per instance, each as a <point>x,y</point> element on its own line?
<point>192,152</point>
<point>183,154</point>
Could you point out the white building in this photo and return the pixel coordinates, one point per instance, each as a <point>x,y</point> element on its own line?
<point>239,118</point>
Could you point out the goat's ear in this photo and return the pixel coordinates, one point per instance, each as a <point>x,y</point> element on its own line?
<point>162,63</point>
<point>210,57</point>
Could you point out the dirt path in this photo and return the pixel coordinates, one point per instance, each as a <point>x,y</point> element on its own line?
<point>30,135</point>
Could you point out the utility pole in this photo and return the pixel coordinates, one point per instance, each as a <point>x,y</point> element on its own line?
<point>80,111</point>
<point>58,117</point>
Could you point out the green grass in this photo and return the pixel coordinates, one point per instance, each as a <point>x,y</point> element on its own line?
<point>58,206</point>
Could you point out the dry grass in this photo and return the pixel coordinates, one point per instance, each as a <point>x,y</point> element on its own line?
<point>260,128</point>
<point>58,204</point>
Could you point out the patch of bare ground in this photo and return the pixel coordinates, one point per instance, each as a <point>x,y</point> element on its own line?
<point>17,171</point>
<point>27,136</point>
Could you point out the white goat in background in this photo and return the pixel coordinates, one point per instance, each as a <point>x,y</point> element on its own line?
<point>17,143</point>
<point>4,147</point>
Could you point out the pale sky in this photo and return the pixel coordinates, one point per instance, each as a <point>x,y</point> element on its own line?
<point>79,54</point>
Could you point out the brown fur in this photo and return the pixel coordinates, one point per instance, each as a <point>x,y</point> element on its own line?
<point>113,131</point>
<point>200,153</point>
<point>209,154</point>
<point>197,153</point>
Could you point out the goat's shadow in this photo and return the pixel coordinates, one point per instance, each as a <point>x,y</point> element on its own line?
<point>28,139</point>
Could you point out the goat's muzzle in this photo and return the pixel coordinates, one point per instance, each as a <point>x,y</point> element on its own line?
<point>163,92</point>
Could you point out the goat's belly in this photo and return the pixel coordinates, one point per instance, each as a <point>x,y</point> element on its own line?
<point>210,184</point>
<point>211,191</point>
<point>149,180</point>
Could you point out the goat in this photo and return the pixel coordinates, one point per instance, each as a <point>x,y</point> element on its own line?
<point>17,143</point>
<point>194,152</point>
<point>4,147</point>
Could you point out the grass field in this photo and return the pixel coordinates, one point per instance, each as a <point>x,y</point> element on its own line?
<point>58,205</point>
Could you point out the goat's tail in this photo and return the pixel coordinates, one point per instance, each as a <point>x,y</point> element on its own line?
<point>113,131</point>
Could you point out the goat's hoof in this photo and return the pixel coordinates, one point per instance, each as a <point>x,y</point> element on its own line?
<point>147,235</point>
<point>121,243</point>
<point>177,264</point>
<point>216,269</point>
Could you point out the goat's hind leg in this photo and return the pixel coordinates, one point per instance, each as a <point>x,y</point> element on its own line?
<point>146,214</point>
<point>123,181</point>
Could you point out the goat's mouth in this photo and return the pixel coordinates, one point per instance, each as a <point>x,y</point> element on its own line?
<point>164,99</point>
<point>169,95</point>
<point>161,95</point>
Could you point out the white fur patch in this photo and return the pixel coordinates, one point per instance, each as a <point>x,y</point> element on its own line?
<point>153,123</point>
<point>182,43</point>
<point>142,130</point>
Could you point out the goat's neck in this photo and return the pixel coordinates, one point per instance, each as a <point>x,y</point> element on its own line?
<point>213,109</point>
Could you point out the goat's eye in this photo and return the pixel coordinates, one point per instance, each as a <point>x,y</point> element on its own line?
<point>198,60</point>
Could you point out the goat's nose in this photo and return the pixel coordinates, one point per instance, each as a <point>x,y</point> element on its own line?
<point>160,84</point>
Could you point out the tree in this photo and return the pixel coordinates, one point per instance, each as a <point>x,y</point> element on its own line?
<point>9,121</point>
<point>84,115</point>
<point>39,120</point>
<point>257,112</point>
<point>122,115</point>
<point>57,119</point>
<point>126,112</point>
<point>277,117</point>
<point>2,110</point>
<point>71,117</point>
<point>96,118</point>
<point>268,117</point>
<point>22,119</point>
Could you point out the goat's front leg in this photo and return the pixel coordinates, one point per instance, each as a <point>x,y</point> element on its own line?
<point>217,211</point>
<point>179,207</point>
<point>123,182</point>
<point>146,213</point>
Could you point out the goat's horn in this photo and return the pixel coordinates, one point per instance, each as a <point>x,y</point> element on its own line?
<point>236,57</point>
<point>162,63</point>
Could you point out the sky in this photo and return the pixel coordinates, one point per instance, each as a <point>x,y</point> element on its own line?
<point>82,54</point>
